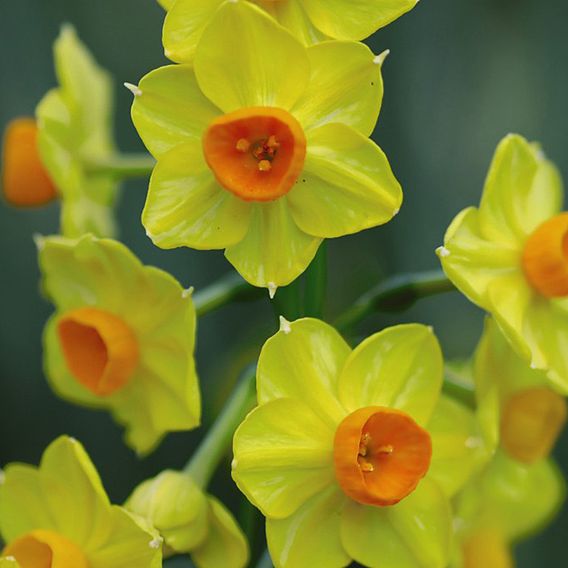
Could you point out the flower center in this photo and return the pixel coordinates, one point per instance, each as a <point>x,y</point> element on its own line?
<point>46,549</point>
<point>380,455</point>
<point>100,350</point>
<point>256,153</point>
<point>531,422</point>
<point>25,181</point>
<point>545,257</point>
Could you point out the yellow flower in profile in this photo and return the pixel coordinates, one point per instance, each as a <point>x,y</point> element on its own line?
<point>58,515</point>
<point>53,156</point>
<point>520,488</point>
<point>122,337</point>
<point>510,256</point>
<point>352,455</point>
<point>190,520</point>
<point>25,181</point>
<point>263,146</point>
<point>309,20</point>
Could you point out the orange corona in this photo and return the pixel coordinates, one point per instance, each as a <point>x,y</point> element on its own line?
<point>531,422</point>
<point>25,181</point>
<point>46,549</point>
<point>100,350</point>
<point>545,257</point>
<point>256,153</point>
<point>380,455</point>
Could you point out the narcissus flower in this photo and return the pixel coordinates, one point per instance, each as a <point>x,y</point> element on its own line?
<point>517,408</point>
<point>190,521</point>
<point>122,337</point>
<point>507,502</point>
<point>309,20</point>
<point>262,147</point>
<point>351,455</point>
<point>58,515</point>
<point>510,256</point>
<point>520,488</point>
<point>25,181</point>
<point>74,134</point>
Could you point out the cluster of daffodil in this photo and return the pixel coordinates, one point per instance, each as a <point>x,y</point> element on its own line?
<point>259,142</point>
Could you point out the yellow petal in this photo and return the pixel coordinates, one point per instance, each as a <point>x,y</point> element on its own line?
<point>400,367</point>
<point>303,361</point>
<point>311,536</point>
<point>246,59</point>
<point>283,456</point>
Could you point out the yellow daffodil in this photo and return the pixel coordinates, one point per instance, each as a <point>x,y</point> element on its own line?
<point>309,20</point>
<point>190,521</point>
<point>507,502</point>
<point>262,146</point>
<point>517,408</point>
<point>352,455</point>
<point>73,133</point>
<point>25,181</point>
<point>520,488</point>
<point>58,515</point>
<point>510,256</point>
<point>122,337</point>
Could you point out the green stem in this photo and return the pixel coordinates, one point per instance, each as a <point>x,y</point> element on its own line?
<point>230,288</point>
<point>316,283</point>
<point>394,295</point>
<point>122,166</point>
<point>218,440</point>
<point>456,388</point>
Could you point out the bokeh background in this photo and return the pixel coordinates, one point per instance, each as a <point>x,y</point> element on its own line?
<point>460,76</point>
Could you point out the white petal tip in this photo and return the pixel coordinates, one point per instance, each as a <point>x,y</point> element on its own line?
<point>134,89</point>
<point>9,558</point>
<point>155,543</point>
<point>285,325</point>
<point>272,290</point>
<point>380,59</point>
<point>442,252</point>
<point>39,241</point>
<point>234,463</point>
<point>188,292</point>
<point>396,212</point>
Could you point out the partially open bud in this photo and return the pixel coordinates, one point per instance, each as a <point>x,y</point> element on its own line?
<point>176,506</point>
<point>25,181</point>
<point>531,421</point>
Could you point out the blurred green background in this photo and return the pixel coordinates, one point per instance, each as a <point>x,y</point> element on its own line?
<point>461,74</point>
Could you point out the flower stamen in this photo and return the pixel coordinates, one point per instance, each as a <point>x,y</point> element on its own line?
<point>256,153</point>
<point>380,455</point>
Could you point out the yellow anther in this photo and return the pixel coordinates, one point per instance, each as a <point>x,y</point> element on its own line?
<point>272,143</point>
<point>243,145</point>
<point>264,165</point>
<point>366,466</point>
<point>387,449</point>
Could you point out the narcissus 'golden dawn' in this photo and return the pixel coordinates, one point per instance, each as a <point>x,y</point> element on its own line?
<point>263,146</point>
<point>311,21</point>
<point>510,256</point>
<point>122,337</point>
<point>59,515</point>
<point>352,455</point>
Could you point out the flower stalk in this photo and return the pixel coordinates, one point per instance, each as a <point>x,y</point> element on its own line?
<point>122,166</point>
<point>218,440</point>
<point>395,294</point>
